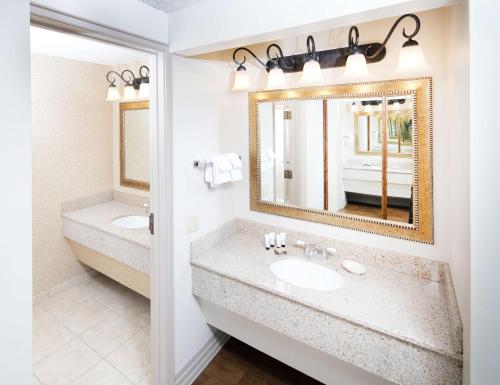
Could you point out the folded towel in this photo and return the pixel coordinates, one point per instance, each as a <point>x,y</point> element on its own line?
<point>221,163</point>
<point>217,170</point>
<point>235,160</point>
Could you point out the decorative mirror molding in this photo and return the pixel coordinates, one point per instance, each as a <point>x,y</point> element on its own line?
<point>134,145</point>
<point>411,188</point>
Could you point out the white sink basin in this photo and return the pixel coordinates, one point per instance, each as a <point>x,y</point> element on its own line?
<point>132,222</point>
<point>307,275</point>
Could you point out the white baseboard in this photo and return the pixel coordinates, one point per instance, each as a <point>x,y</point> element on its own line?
<point>199,362</point>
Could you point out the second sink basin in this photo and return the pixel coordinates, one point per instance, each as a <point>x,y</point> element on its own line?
<point>132,222</point>
<point>307,275</point>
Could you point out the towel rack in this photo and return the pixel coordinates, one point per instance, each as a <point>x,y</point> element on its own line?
<point>203,163</point>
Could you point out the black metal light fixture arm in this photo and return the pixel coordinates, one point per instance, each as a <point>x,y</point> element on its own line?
<point>112,81</point>
<point>391,31</point>
<point>242,62</point>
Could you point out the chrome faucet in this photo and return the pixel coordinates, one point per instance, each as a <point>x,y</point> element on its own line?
<point>146,208</point>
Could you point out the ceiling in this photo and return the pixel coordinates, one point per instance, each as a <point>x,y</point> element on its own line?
<point>48,42</point>
<point>170,6</point>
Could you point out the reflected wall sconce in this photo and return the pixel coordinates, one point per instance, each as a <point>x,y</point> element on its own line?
<point>135,87</point>
<point>354,57</point>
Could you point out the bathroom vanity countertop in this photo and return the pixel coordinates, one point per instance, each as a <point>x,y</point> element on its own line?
<point>101,216</point>
<point>404,306</point>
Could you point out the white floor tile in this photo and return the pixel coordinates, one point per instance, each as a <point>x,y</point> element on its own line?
<point>66,364</point>
<point>35,381</point>
<point>147,379</point>
<point>48,335</point>
<point>109,334</point>
<point>102,374</point>
<point>133,359</point>
<point>82,315</point>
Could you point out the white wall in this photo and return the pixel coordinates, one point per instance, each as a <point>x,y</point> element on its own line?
<point>15,171</point>
<point>205,121</point>
<point>221,24</point>
<point>485,190</point>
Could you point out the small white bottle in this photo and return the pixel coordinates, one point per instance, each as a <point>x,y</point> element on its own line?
<point>283,239</point>
<point>267,241</point>
<point>278,241</point>
<point>272,238</point>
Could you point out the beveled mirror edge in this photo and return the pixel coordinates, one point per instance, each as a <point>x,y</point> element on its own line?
<point>124,181</point>
<point>423,228</point>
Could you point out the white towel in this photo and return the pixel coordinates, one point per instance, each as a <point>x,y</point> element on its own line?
<point>235,160</point>
<point>217,170</point>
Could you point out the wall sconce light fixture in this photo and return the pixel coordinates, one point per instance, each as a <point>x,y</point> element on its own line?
<point>354,57</point>
<point>135,87</point>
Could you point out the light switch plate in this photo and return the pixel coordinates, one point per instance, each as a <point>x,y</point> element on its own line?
<point>192,224</point>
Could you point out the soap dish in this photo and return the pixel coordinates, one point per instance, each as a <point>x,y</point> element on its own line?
<point>354,267</point>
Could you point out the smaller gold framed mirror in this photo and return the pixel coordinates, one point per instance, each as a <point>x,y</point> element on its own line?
<point>134,145</point>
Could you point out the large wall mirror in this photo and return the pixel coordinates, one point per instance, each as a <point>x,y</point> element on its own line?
<point>356,156</point>
<point>134,145</point>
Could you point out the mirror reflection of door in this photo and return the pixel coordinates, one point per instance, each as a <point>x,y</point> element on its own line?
<point>291,153</point>
<point>134,145</point>
<point>352,156</point>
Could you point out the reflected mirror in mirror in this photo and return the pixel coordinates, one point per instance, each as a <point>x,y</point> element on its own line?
<point>134,145</point>
<point>338,155</point>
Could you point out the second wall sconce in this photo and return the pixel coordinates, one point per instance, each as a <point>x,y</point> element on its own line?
<point>135,87</point>
<point>354,57</point>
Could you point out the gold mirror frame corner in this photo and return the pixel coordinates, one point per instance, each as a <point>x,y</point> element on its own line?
<point>422,230</point>
<point>124,181</point>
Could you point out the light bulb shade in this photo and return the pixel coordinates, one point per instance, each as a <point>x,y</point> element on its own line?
<point>356,67</point>
<point>276,79</point>
<point>113,94</point>
<point>412,61</point>
<point>311,73</point>
<point>241,80</point>
<point>144,90</point>
<point>129,93</point>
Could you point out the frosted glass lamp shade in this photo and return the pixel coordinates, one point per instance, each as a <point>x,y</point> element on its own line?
<point>311,73</point>
<point>356,67</point>
<point>129,93</point>
<point>276,79</point>
<point>113,94</point>
<point>144,90</point>
<point>412,61</point>
<point>241,80</point>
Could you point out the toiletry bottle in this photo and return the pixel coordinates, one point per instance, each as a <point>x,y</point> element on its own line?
<point>278,240</point>
<point>272,238</point>
<point>283,239</point>
<point>267,241</point>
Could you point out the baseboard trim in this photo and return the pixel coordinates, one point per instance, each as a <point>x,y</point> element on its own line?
<point>199,362</point>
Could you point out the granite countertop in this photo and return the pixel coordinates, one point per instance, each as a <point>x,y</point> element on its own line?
<point>100,217</point>
<point>413,308</point>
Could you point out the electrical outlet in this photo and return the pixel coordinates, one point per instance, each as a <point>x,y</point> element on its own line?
<point>192,224</point>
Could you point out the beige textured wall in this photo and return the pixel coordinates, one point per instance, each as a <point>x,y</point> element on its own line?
<point>72,156</point>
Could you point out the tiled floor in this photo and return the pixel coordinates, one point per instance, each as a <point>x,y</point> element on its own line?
<point>96,333</point>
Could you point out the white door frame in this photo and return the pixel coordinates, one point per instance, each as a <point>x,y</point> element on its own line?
<point>162,288</point>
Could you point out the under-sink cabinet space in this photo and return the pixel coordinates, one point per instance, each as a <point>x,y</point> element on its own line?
<point>399,321</point>
<point>112,238</point>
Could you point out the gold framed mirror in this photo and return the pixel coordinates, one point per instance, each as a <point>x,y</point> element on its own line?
<point>134,145</point>
<point>356,155</point>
